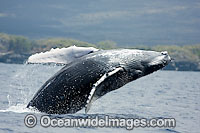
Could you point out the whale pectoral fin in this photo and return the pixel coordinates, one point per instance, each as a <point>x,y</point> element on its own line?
<point>93,93</point>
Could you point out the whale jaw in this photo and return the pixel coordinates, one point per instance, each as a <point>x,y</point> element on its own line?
<point>157,63</point>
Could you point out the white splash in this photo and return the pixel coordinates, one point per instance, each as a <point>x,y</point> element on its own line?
<point>61,55</point>
<point>19,108</point>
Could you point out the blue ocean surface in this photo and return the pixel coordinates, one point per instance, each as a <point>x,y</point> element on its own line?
<point>163,94</point>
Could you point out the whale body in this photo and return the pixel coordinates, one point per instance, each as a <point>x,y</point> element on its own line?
<point>78,84</point>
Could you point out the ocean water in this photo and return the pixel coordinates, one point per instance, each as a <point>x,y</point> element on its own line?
<point>163,94</point>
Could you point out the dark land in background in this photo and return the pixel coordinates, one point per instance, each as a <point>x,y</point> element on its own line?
<point>17,49</point>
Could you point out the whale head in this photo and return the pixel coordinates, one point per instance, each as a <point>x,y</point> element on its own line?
<point>136,62</point>
<point>160,60</point>
<point>140,63</point>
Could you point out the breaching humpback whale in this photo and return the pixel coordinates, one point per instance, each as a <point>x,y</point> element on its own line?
<point>79,83</point>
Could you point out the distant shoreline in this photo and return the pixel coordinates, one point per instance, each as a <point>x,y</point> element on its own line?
<point>16,50</point>
<point>175,66</point>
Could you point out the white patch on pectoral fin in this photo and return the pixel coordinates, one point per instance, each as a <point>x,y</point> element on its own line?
<point>89,103</point>
<point>92,97</point>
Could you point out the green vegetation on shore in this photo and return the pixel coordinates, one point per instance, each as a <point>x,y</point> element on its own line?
<point>180,53</point>
<point>22,45</point>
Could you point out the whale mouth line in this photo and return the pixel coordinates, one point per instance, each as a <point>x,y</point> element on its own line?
<point>158,63</point>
